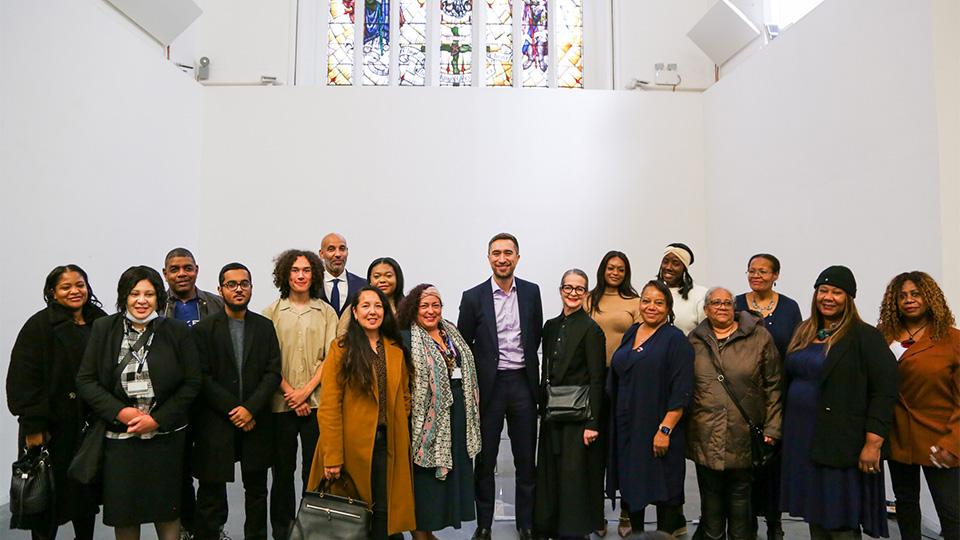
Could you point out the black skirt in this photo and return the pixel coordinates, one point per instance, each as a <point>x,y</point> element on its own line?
<point>141,479</point>
<point>446,503</point>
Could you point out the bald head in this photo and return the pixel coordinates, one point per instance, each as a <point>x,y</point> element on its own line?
<point>333,252</point>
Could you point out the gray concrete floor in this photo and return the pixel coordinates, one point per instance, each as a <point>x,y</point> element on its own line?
<point>503,528</point>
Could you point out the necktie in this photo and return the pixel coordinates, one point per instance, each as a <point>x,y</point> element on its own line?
<point>335,295</point>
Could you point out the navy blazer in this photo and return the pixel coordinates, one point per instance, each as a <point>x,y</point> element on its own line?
<point>354,284</point>
<point>478,325</point>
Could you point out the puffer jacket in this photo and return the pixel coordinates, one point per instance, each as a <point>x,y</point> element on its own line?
<point>718,436</point>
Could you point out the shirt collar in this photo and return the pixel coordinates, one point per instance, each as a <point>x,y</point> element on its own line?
<point>315,303</point>
<point>513,286</point>
<point>328,278</point>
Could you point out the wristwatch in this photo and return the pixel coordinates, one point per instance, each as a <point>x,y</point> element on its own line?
<point>665,430</point>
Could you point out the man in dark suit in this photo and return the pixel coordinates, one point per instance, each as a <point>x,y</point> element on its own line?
<point>501,319</point>
<point>338,284</point>
<point>240,360</point>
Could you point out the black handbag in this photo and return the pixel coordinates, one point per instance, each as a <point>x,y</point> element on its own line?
<point>567,403</point>
<point>88,461</point>
<point>31,488</point>
<point>325,516</point>
<point>760,452</point>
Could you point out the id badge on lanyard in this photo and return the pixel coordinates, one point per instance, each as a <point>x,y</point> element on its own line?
<point>140,384</point>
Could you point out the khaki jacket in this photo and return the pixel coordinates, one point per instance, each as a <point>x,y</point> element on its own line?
<point>717,434</point>
<point>348,425</point>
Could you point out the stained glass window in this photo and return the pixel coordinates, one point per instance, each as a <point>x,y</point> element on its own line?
<point>376,43</point>
<point>412,42</point>
<point>340,38</point>
<point>499,68</point>
<point>456,50</point>
<point>570,44</point>
<point>535,46</point>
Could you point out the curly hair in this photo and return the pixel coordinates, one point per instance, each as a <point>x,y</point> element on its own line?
<point>281,271</point>
<point>938,312</point>
<point>408,307</point>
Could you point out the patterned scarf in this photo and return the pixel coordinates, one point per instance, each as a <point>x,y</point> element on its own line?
<point>433,400</point>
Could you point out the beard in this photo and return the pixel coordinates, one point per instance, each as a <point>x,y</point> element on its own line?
<point>238,307</point>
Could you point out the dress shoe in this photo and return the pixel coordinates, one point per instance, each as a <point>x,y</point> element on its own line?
<point>624,528</point>
<point>525,534</point>
<point>482,533</point>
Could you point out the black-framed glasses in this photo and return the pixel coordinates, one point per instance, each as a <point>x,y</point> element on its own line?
<point>234,285</point>
<point>570,289</point>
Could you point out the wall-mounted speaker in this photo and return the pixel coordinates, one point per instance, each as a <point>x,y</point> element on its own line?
<point>723,32</point>
<point>163,20</point>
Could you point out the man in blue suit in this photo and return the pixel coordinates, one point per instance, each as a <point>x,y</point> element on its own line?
<point>338,284</point>
<point>501,319</point>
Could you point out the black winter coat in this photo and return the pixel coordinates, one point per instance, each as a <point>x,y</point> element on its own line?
<point>42,393</point>
<point>174,372</point>
<point>215,446</point>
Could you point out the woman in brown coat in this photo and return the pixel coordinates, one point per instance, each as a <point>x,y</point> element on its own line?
<point>718,435</point>
<point>918,325</point>
<point>364,424</point>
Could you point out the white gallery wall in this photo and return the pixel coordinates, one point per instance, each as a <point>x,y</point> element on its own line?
<point>823,149</point>
<point>428,175</point>
<point>99,157</point>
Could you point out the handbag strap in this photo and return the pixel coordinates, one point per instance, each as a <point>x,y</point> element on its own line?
<point>722,378</point>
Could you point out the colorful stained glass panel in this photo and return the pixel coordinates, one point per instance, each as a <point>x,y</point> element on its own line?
<point>412,42</point>
<point>376,43</point>
<point>340,43</point>
<point>456,46</point>
<point>570,40</point>
<point>535,46</point>
<point>499,61</point>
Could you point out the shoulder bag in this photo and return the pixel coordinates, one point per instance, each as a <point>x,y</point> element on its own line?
<point>31,488</point>
<point>760,452</point>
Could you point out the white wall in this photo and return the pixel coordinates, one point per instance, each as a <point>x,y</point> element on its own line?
<point>99,156</point>
<point>429,179</point>
<point>946,41</point>
<point>818,151</point>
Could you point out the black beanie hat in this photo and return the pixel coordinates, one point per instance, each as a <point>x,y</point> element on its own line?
<point>838,276</point>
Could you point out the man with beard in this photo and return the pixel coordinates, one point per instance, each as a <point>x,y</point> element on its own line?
<point>240,359</point>
<point>189,304</point>
<point>338,284</point>
<point>501,319</point>
<point>186,302</point>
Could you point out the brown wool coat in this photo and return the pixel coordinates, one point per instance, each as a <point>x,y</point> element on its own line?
<point>348,424</point>
<point>717,434</point>
<point>927,411</point>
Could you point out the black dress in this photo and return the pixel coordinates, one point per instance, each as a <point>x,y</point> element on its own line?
<point>41,392</point>
<point>569,498</point>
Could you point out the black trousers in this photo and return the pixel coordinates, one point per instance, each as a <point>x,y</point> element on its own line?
<point>944,487</point>
<point>668,515</point>
<point>725,508</point>
<point>212,510</point>
<point>82,529</point>
<point>188,497</point>
<point>513,401</point>
<point>283,496</point>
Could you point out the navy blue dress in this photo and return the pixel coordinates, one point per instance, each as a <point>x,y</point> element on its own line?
<point>780,323</point>
<point>644,385</point>
<point>829,497</point>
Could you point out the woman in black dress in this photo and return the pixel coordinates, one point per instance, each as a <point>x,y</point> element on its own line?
<point>650,383</point>
<point>41,392</point>
<point>570,457</point>
<point>841,387</point>
<point>140,373</point>
<point>445,415</point>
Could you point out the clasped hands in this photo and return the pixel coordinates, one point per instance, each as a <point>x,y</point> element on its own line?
<point>137,422</point>
<point>241,418</point>
<point>296,399</point>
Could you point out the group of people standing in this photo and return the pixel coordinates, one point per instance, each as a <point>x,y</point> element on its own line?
<point>778,414</point>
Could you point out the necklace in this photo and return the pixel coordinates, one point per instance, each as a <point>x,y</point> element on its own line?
<point>756,306</point>
<point>910,341</point>
<point>824,333</point>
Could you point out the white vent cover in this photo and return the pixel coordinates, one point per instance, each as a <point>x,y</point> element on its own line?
<point>164,20</point>
<point>723,31</point>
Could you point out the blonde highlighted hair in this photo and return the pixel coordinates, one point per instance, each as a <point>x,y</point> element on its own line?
<point>806,332</point>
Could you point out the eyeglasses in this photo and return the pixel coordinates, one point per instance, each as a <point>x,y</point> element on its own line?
<point>234,285</point>
<point>569,289</point>
<point>761,273</point>
<point>721,303</point>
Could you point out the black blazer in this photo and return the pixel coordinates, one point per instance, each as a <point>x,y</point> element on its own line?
<point>174,372</point>
<point>858,387</point>
<point>582,362</point>
<point>354,284</point>
<point>214,446</point>
<point>478,325</point>
<point>41,381</point>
